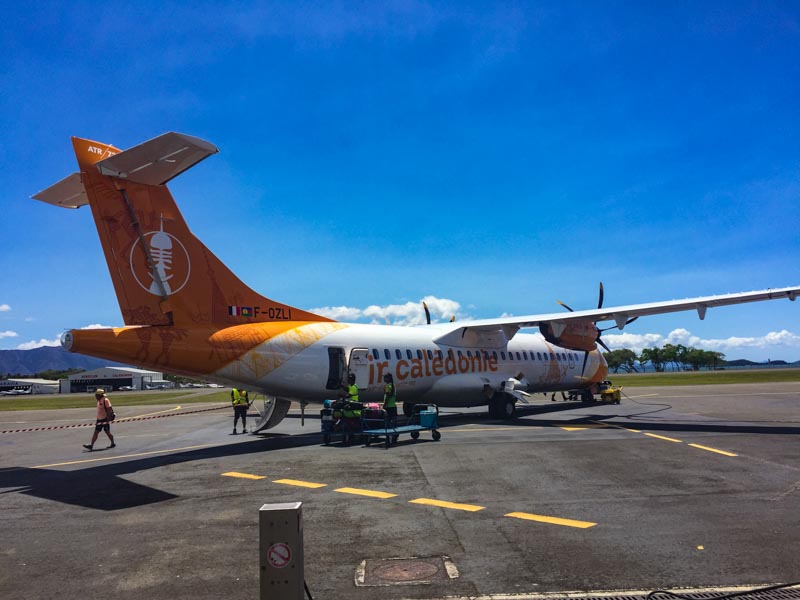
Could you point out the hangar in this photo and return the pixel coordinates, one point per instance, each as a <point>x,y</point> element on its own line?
<point>13,387</point>
<point>111,379</point>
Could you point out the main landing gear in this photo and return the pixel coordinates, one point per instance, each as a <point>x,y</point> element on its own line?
<point>503,406</point>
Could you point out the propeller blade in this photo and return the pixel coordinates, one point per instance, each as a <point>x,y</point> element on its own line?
<point>564,305</point>
<point>603,344</point>
<point>600,298</point>
<point>585,358</point>
<point>427,313</point>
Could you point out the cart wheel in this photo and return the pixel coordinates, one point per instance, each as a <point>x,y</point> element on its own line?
<point>395,438</point>
<point>388,441</point>
<point>414,435</point>
<point>436,436</point>
<point>368,441</point>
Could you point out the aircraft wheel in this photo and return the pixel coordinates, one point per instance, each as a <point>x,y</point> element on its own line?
<point>436,436</point>
<point>509,407</point>
<point>414,435</point>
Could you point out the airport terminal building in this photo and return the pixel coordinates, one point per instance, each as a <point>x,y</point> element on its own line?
<point>112,379</point>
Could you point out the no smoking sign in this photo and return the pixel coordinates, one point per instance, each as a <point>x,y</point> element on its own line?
<point>279,555</point>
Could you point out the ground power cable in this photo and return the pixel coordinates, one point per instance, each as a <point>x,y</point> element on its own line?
<point>770,588</point>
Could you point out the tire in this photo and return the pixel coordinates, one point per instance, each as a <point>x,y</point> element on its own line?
<point>436,436</point>
<point>508,406</point>
<point>414,435</point>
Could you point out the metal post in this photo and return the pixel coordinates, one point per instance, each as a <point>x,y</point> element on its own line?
<point>281,556</point>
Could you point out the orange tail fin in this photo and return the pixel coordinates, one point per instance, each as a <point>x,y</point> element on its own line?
<point>162,274</point>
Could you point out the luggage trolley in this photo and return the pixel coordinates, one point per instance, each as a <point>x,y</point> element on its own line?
<point>333,420</point>
<point>425,417</point>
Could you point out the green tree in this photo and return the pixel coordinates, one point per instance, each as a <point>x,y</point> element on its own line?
<point>654,356</point>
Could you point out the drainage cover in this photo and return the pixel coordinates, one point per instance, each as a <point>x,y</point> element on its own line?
<point>405,571</point>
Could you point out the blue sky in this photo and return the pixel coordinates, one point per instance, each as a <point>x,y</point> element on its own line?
<point>495,157</point>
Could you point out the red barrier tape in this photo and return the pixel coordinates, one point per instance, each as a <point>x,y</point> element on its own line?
<point>115,422</point>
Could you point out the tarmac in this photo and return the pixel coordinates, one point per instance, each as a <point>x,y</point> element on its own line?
<point>675,488</point>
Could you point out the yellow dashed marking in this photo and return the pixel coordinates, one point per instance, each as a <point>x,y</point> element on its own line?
<point>661,437</point>
<point>553,520</point>
<point>713,450</point>
<point>582,427</point>
<point>243,475</point>
<point>295,482</point>
<point>443,504</point>
<point>370,493</point>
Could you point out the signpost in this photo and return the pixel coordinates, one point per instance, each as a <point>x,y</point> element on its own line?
<point>281,551</point>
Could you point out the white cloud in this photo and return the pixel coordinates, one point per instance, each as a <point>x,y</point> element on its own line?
<point>43,342</point>
<point>637,343</point>
<point>5,334</point>
<point>4,308</point>
<point>410,313</point>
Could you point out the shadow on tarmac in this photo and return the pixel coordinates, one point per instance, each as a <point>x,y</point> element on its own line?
<point>102,487</point>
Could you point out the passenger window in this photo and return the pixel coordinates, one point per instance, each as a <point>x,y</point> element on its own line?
<point>494,354</point>
<point>419,354</point>
<point>387,354</point>
<point>552,356</point>
<point>469,353</point>
<point>502,355</point>
<point>450,353</point>
<point>375,354</point>
<point>430,355</point>
<point>408,354</point>
<point>518,356</point>
<point>440,355</point>
<point>524,355</point>
<point>398,354</point>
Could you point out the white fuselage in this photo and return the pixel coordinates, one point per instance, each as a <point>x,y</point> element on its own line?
<point>423,370</point>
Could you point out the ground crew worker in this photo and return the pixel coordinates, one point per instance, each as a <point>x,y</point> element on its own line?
<point>102,422</point>
<point>351,390</point>
<point>390,400</point>
<point>240,403</point>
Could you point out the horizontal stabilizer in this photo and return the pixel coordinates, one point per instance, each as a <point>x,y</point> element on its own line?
<point>156,161</point>
<point>68,193</point>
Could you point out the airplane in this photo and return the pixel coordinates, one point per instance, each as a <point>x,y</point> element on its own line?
<point>186,313</point>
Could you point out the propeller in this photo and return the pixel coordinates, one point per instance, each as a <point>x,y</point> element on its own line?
<point>428,314</point>
<point>597,340</point>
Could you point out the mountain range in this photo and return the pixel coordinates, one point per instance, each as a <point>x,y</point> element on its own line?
<point>47,358</point>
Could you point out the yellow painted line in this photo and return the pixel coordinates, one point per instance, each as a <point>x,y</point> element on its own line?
<point>617,426</point>
<point>370,493</point>
<point>552,520</point>
<point>661,437</point>
<point>442,504</point>
<point>91,460</point>
<point>713,450</point>
<point>582,427</point>
<point>243,475</point>
<point>295,482</point>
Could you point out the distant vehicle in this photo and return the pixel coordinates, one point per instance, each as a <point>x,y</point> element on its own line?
<point>127,388</point>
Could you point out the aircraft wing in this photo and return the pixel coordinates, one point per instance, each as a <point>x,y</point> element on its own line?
<point>490,332</point>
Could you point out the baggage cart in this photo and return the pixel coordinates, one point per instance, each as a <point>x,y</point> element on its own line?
<point>375,424</point>
<point>338,417</point>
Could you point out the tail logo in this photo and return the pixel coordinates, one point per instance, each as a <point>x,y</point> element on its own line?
<point>171,264</point>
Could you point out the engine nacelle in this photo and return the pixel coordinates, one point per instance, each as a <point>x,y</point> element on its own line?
<point>575,336</point>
